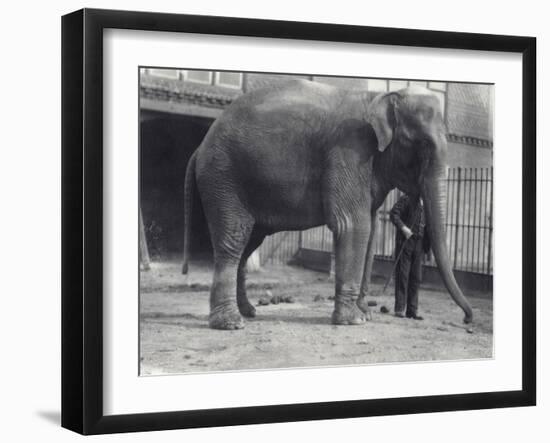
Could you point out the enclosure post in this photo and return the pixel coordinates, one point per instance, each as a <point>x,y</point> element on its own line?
<point>490,246</point>
<point>143,249</point>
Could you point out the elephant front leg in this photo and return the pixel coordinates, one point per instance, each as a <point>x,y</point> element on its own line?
<point>350,250</point>
<point>367,271</point>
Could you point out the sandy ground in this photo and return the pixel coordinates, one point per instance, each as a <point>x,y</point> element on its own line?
<point>175,338</point>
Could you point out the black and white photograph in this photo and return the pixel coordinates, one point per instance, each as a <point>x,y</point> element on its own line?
<point>275,221</point>
<point>301,220</point>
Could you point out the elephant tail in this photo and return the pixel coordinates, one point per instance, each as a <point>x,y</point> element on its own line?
<point>189,192</point>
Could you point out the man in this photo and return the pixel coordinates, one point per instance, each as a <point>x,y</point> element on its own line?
<point>409,218</point>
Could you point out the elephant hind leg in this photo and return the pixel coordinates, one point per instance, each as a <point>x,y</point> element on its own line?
<point>245,307</point>
<point>230,233</point>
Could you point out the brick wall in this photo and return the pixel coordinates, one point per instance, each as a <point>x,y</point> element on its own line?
<point>469,110</point>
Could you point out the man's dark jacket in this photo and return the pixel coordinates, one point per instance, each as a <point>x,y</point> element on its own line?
<point>404,213</point>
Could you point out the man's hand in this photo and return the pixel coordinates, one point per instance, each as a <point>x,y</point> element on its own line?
<point>406,232</point>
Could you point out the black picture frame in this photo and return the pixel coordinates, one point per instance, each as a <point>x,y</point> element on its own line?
<point>82,218</point>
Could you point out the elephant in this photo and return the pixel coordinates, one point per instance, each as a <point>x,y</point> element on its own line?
<point>305,154</point>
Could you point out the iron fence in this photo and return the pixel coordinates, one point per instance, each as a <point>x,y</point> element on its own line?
<point>468,221</point>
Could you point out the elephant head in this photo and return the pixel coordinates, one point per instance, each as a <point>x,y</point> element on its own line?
<point>410,131</point>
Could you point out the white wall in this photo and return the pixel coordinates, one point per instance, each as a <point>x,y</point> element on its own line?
<point>30,220</point>
<point>469,156</point>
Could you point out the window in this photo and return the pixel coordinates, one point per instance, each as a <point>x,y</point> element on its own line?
<point>229,79</point>
<point>396,85</point>
<point>199,76</point>
<point>438,86</point>
<point>376,85</point>
<point>416,83</point>
<point>166,73</point>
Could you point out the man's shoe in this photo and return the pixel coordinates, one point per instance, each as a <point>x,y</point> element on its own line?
<point>399,314</point>
<point>415,317</point>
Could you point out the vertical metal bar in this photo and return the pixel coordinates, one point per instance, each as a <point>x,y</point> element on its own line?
<point>452,215</point>
<point>459,175</point>
<point>468,213</point>
<point>464,222</point>
<point>466,216</point>
<point>481,247</point>
<point>485,211</point>
<point>490,246</point>
<point>447,213</point>
<point>472,220</point>
<point>480,228</point>
<point>480,221</point>
<point>475,227</point>
<point>448,216</point>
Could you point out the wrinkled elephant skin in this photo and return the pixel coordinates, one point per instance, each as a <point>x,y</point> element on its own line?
<point>305,154</point>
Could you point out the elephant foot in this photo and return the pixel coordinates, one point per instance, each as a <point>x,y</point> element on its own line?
<point>346,312</point>
<point>363,304</point>
<point>246,309</point>
<point>225,318</point>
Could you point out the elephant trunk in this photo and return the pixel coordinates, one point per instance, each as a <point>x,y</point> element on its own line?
<point>434,195</point>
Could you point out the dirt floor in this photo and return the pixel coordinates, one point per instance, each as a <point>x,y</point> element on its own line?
<point>175,337</point>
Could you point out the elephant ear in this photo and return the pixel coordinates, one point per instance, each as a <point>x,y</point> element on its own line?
<point>382,116</point>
